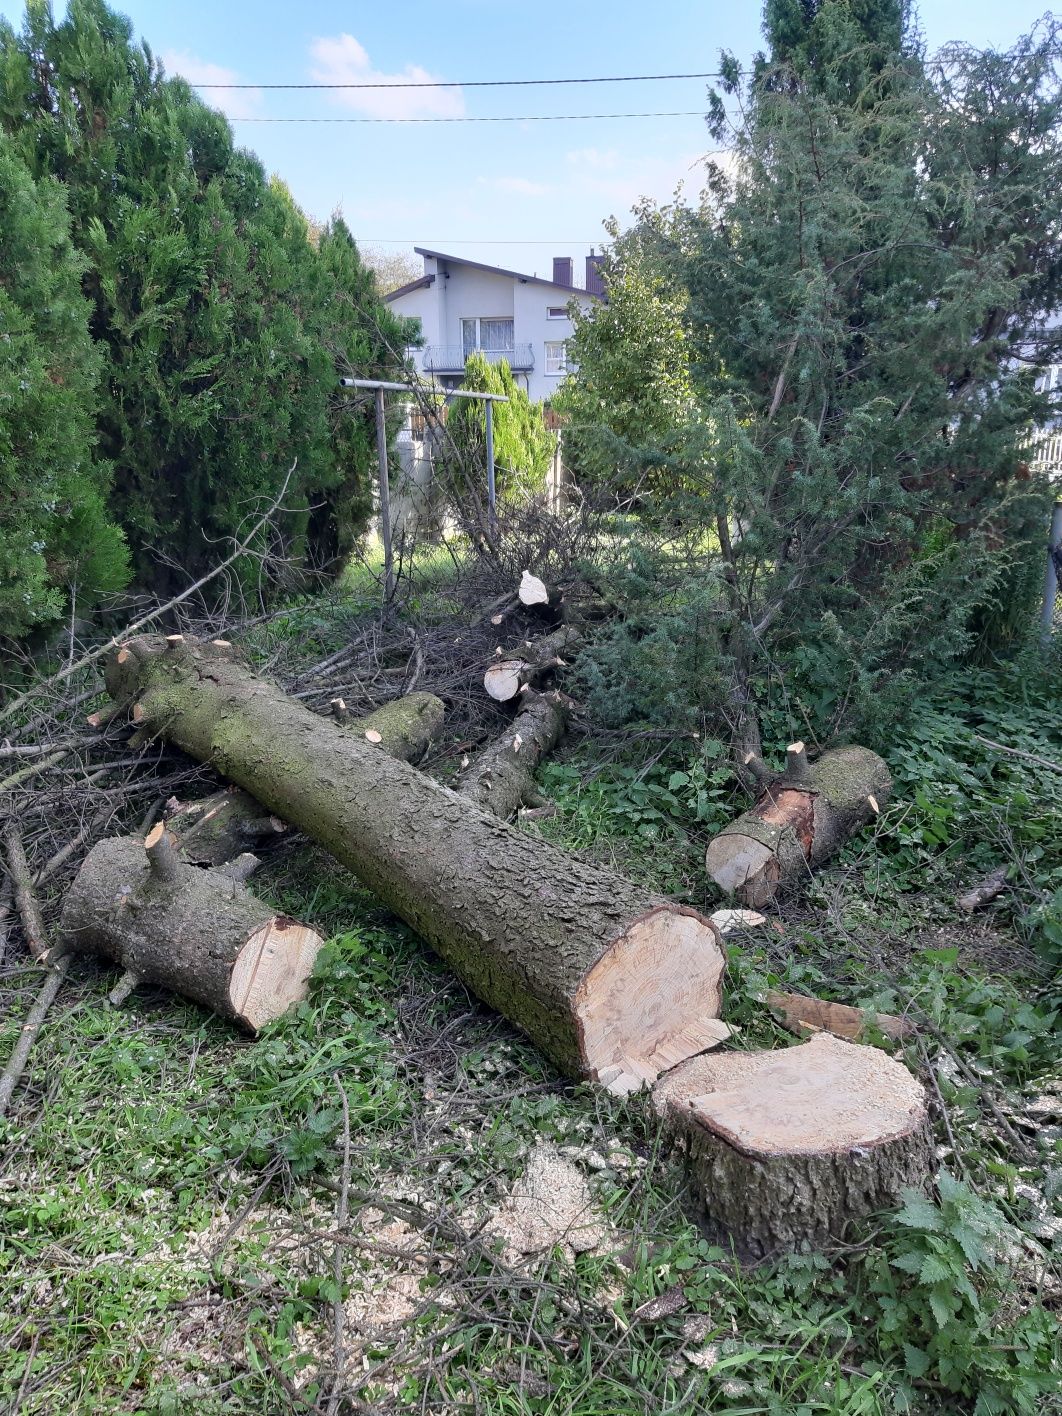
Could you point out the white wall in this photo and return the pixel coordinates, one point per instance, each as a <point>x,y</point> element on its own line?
<point>469,293</point>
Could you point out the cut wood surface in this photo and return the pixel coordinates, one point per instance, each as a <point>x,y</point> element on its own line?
<point>530,664</point>
<point>801,818</point>
<point>805,1016</point>
<point>200,933</point>
<point>501,778</point>
<point>788,1148</point>
<point>598,971</point>
<point>535,594</point>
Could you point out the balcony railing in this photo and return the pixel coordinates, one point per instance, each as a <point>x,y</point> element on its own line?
<point>450,358</point>
<point>1046,448</point>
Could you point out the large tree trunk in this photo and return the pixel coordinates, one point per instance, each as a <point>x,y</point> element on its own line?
<point>200,933</point>
<point>603,975</point>
<point>802,818</point>
<point>788,1148</point>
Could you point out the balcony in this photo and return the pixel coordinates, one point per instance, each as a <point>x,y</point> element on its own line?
<point>450,358</point>
<point>1046,446</point>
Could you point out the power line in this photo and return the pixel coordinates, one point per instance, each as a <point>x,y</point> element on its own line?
<point>506,118</point>
<point>472,83</point>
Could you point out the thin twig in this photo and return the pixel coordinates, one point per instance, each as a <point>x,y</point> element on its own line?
<point>12,1073</point>
<point>31,771</point>
<point>342,1207</point>
<point>22,879</point>
<point>1017,752</point>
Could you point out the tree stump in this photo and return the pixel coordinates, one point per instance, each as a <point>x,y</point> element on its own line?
<point>199,933</point>
<point>801,818</point>
<point>788,1148</point>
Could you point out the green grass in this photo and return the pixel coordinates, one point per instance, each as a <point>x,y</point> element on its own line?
<point>169,1189</point>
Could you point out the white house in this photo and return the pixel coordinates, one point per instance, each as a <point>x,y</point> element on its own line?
<point>464,305</point>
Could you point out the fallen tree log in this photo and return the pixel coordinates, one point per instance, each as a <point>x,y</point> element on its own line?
<point>802,817</point>
<point>983,892</point>
<point>529,668</point>
<point>222,826</point>
<point>404,728</point>
<point>199,933</point>
<point>501,779</point>
<point>788,1148</point>
<point>218,828</point>
<point>603,975</point>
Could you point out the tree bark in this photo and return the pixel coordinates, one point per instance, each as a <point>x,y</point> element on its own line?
<point>404,728</point>
<point>788,1148</point>
<point>600,973</point>
<point>531,664</point>
<point>501,779</point>
<point>802,817</point>
<point>199,933</point>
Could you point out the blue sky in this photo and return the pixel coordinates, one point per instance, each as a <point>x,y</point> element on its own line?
<point>510,193</point>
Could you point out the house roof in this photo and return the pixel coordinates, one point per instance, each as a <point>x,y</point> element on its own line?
<point>480,265</point>
<point>421,283</point>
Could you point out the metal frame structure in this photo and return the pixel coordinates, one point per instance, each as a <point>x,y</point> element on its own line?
<point>382,386</point>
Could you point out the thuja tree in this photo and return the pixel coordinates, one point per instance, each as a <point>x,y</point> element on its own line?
<point>213,310</point>
<point>633,395</point>
<point>869,283</point>
<point>56,540</point>
<point>523,445</point>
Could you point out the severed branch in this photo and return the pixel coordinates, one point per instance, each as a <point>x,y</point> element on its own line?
<point>12,1073</point>
<point>25,900</point>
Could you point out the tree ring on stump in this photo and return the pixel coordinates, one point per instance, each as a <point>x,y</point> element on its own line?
<point>788,1147</point>
<point>653,999</point>
<point>272,970</point>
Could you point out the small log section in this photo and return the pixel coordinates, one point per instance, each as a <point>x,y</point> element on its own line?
<point>603,975</point>
<point>806,1016</point>
<point>507,678</point>
<point>405,728</point>
<point>199,933</point>
<point>222,826</point>
<point>501,779</point>
<point>788,1148</point>
<point>801,818</point>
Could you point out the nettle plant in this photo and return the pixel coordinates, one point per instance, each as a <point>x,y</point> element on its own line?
<point>943,1282</point>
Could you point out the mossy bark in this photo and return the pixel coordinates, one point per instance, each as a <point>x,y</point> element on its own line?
<point>799,820</point>
<point>406,726</point>
<point>518,920</point>
<point>181,928</point>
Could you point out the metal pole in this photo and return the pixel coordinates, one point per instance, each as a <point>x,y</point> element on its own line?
<point>492,496</point>
<point>1054,541</point>
<point>385,498</point>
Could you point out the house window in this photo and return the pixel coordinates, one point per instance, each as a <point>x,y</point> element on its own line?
<point>556,312</point>
<point>492,336</point>
<point>556,357</point>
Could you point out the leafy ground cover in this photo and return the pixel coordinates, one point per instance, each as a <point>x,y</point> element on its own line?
<point>189,1217</point>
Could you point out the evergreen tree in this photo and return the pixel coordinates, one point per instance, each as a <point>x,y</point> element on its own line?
<point>56,541</point>
<point>523,445</point>
<point>210,301</point>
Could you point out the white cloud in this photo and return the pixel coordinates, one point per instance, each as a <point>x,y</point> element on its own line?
<point>234,103</point>
<point>340,59</point>
<point>598,159</point>
<point>519,186</point>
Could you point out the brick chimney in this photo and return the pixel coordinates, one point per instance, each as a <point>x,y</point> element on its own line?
<point>595,284</point>
<point>562,270</point>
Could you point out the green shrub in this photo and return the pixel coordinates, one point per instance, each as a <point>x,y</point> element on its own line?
<point>56,540</point>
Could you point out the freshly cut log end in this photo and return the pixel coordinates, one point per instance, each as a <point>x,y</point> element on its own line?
<point>653,999</point>
<point>272,970</point>
<point>799,820</point>
<point>789,1148</point>
<point>535,594</point>
<point>199,933</point>
<point>503,681</point>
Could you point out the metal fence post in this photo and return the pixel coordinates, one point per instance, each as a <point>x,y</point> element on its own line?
<point>385,498</point>
<point>1054,541</point>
